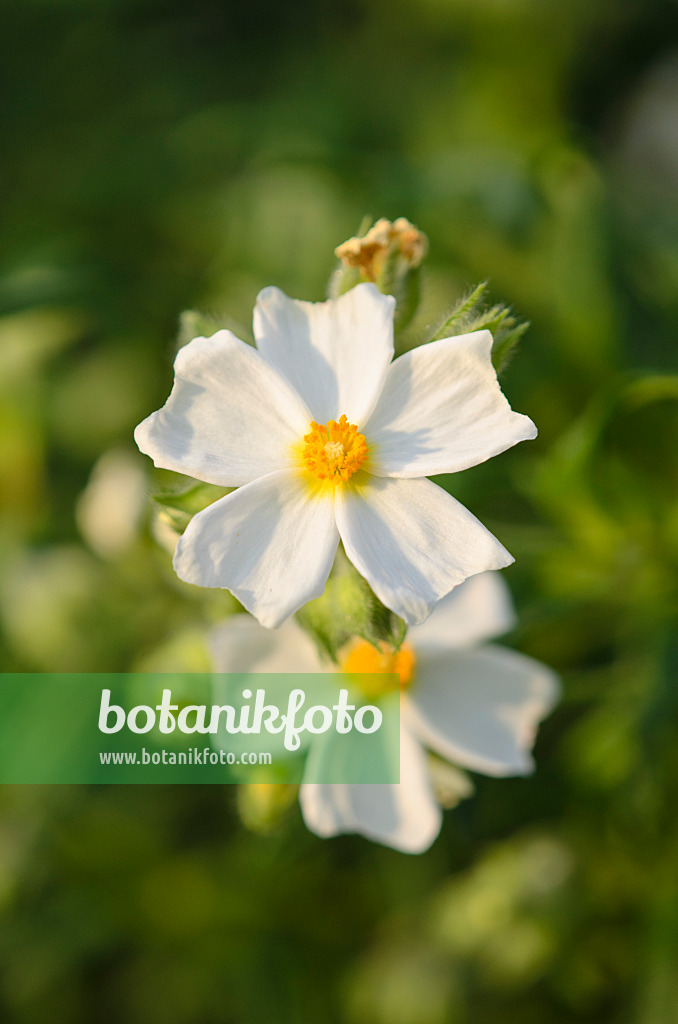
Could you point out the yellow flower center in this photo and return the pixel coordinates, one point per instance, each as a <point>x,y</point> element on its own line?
<point>335,450</point>
<point>365,660</point>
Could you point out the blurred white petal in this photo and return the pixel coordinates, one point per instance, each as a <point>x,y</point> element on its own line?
<point>240,644</point>
<point>479,609</point>
<point>405,816</point>
<point>480,708</point>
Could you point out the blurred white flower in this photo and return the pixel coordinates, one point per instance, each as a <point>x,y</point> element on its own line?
<point>472,703</point>
<point>325,437</point>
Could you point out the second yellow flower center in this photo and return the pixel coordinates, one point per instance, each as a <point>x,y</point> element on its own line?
<point>364,660</point>
<point>334,450</point>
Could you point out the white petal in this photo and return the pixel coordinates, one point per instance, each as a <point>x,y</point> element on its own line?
<point>413,542</point>
<point>230,417</point>
<point>405,816</point>
<point>336,353</point>
<point>480,709</point>
<point>271,543</point>
<point>442,410</point>
<point>240,644</point>
<point>478,609</point>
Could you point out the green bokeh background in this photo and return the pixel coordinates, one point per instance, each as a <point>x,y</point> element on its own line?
<point>162,155</point>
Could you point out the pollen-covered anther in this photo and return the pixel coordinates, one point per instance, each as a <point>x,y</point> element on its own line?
<point>335,450</point>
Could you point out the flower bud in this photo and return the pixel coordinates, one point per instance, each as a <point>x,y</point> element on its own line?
<point>389,255</point>
<point>370,253</point>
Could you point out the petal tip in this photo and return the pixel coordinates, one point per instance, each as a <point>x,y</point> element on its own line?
<point>270,292</point>
<point>270,619</point>
<point>145,442</point>
<point>180,563</point>
<point>529,427</point>
<point>502,560</point>
<point>141,435</point>
<point>371,287</point>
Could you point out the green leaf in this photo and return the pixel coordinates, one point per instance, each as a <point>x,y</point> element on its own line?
<point>505,343</point>
<point>456,321</point>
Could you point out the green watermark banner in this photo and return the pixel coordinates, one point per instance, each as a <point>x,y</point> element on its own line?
<point>165,728</point>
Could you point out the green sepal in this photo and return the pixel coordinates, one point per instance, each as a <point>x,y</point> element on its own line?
<point>347,609</point>
<point>407,298</point>
<point>459,320</point>
<point>506,342</point>
<point>179,507</point>
<point>342,280</point>
<point>472,314</point>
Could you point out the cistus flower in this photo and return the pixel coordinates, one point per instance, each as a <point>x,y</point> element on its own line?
<point>325,437</point>
<point>386,239</point>
<point>474,704</point>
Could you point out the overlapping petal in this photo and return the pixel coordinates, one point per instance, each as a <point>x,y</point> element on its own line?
<point>413,542</point>
<point>230,417</point>
<point>336,354</point>
<point>405,816</point>
<point>442,410</point>
<point>478,610</point>
<point>480,708</point>
<point>266,542</point>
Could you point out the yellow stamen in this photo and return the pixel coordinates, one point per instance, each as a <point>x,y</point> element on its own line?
<point>363,659</point>
<point>334,451</point>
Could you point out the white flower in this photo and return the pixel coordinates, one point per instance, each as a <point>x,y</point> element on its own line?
<point>476,706</point>
<point>325,437</point>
